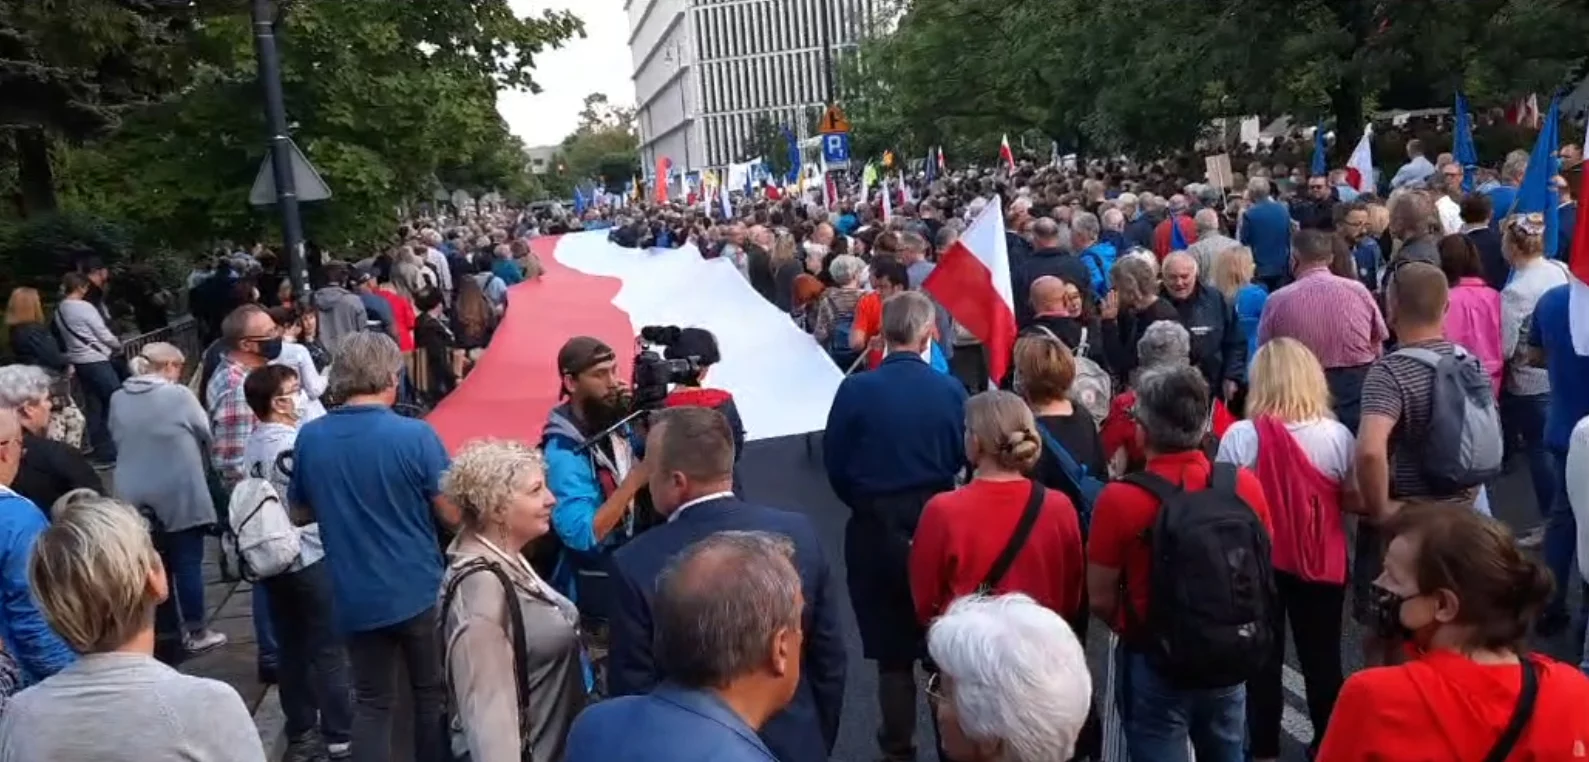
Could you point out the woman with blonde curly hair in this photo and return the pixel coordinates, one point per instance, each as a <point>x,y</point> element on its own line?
<point>493,603</point>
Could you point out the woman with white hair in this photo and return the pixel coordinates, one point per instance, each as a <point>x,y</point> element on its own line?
<point>49,468</point>
<point>162,434</point>
<point>492,599</point>
<point>836,309</point>
<point>97,579</point>
<point>1012,685</point>
<point>1165,344</point>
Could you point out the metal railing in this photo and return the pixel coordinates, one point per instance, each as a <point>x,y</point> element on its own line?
<point>182,333</point>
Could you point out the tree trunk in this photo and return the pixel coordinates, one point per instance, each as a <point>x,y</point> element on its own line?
<point>34,173</point>
<point>1346,101</point>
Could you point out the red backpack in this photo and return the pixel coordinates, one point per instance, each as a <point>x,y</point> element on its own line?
<point>1304,507</point>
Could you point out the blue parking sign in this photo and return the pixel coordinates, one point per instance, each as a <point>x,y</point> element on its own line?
<point>836,148</point>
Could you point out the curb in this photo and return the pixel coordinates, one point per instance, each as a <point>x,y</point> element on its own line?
<point>272,725</point>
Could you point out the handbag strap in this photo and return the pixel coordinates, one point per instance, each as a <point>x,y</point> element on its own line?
<point>516,634</point>
<point>1023,530</point>
<point>1520,716</point>
<point>1074,471</point>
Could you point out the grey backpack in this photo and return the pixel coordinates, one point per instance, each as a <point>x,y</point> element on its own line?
<point>1462,446</point>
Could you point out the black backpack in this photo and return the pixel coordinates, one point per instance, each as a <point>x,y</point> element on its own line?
<point>1211,588</point>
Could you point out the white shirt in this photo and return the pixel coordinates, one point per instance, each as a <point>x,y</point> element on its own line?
<point>310,382</point>
<point>1450,214</point>
<point>1329,445</point>
<point>697,501</point>
<point>1518,299</point>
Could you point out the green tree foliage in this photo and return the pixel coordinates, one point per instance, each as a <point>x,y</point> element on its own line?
<point>386,99</point>
<point>767,143</point>
<point>1150,75</point>
<point>605,147</point>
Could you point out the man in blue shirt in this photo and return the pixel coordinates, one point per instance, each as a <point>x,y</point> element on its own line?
<point>1266,229</point>
<point>1504,196</point>
<point>27,637</point>
<point>1550,347</point>
<point>372,479</point>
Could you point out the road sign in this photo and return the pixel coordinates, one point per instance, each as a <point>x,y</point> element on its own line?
<point>834,122</point>
<point>836,150</point>
<point>305,180</point>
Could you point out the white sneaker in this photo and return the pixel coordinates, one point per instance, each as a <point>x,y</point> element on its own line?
<point>339,750</point>
<point>203,641</point>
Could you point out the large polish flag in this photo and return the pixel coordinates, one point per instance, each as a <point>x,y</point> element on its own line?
<point>783,382</point>
<point>1578,263</point>
<point>1360,168</point>
<point>972,282</point>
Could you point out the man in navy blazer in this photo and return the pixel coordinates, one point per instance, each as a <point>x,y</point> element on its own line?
<point>728,636</point>
<point>691,453</point>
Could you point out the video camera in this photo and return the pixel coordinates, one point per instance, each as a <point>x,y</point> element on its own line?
<point>653,374</point>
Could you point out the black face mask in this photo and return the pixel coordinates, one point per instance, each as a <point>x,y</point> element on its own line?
<point>270,349</point>
<point>1384,614</point>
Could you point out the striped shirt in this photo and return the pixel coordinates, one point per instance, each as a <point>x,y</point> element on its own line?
<point>1334,317</point>
<point>1402,389</point>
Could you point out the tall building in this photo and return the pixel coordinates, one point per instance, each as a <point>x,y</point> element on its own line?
<point>705,70</point>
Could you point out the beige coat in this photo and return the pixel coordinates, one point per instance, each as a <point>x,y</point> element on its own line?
<point>480,667</point>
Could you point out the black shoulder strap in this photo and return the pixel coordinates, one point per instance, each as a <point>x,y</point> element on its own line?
<point>1223,478</point>
<point>1156,485</point>
<point>515,633</point>
<point>1023,530</point>
<point>1520,716</point>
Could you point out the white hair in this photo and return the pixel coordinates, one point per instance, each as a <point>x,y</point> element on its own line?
<point>23,384</point>
<point>1020,676</point>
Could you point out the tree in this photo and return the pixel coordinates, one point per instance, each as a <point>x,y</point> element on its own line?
<point>386,98</point>
<point>767,142</point>
<point>605,147</point>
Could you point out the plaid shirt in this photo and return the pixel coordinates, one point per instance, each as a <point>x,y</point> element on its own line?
<point>231,420</point>
<point>1334,317</point>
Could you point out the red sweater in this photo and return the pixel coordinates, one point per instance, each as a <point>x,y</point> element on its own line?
<point>1445,707</point>
<point>962,532</point>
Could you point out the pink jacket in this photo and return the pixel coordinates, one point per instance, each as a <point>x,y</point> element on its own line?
<point>1473,321</point>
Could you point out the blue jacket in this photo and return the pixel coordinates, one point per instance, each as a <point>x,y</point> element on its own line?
<point>669,724</point>
<point>899,427</point>
<point>1249,310</point>
<point>806,729</point>
<point>1266,229</point>
<point>571,475</point>
<point>38,650</point>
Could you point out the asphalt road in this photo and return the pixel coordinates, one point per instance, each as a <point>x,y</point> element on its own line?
<point>787,473</point>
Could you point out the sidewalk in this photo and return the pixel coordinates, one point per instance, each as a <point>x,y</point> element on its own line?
<point>234,663</point>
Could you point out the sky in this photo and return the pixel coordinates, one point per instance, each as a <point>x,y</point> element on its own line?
<point>598,63</point>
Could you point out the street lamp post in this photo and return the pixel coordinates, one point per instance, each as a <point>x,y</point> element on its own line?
<point>281,158</point>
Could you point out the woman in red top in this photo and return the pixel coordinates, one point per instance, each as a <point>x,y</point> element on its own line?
<point>1164,344</point>
<point>1457,588</point>
<point>962,532</point>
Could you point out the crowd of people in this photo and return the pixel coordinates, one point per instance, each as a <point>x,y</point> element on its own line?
<point>1231,413</point>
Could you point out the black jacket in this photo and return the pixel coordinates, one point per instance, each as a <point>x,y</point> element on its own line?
<point>1218,348</point>
<point>34,344</point>
<point>1496,270</point>
<point>1120,336</point>
<point>1057,263</point>
<point>50,469</point>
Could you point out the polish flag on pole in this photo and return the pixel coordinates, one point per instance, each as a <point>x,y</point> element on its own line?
<point>1578,263</point>
<point>972,282</point>
<point>1360,168</point>
<point>888,202</point>
<point>943,166</point>
<point>1006,154</point>
<point>831,188</point>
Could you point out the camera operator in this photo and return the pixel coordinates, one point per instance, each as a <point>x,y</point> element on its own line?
<point>595,481</point>
<point>700,345</point>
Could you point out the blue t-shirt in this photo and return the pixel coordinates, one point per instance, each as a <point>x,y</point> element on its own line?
<point>369,475</point>
<point>1569,395</point>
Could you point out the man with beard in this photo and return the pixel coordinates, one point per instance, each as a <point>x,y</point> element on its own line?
<point>594,472</point>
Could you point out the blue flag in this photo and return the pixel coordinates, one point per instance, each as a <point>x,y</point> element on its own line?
<point>794,156</point>
<point>1320,169</point>
<point>1462,148</point>
<point>932,167</point>
<point>1177,238</point>
<point>579,203</point>
<point>1535,195</point>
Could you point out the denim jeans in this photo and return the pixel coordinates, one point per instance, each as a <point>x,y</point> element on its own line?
<point>183,557</point>
<point>374,656</point>
<point>1524,418</point>
<point>265,629</point>
<point>99,381</point>
<point>1160,718</point>
<point>313,671</point>
<point>1561,539</point>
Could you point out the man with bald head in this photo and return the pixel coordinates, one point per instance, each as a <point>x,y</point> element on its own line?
<point>1218,347</point>
<point>1210,242</point>
<point>27,637</point>
<point>1050,258</point>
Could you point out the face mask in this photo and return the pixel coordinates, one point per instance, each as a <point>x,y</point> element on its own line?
<point>270,349</point>
<point>1384,613</point>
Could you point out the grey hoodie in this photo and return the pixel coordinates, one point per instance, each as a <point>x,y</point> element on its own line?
<point>161,435</point>
<point>341,314</point>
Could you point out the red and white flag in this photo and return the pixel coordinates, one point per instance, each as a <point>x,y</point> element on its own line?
<point>782,381</point>
<point>943,166</point>
<point>972,282</point>
<point>831,189</point>
<point>1005,154</point>
<point>1525,112</point>
<point>1578,263</point>
<point>1360,168</point>
<point>888,201</point>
